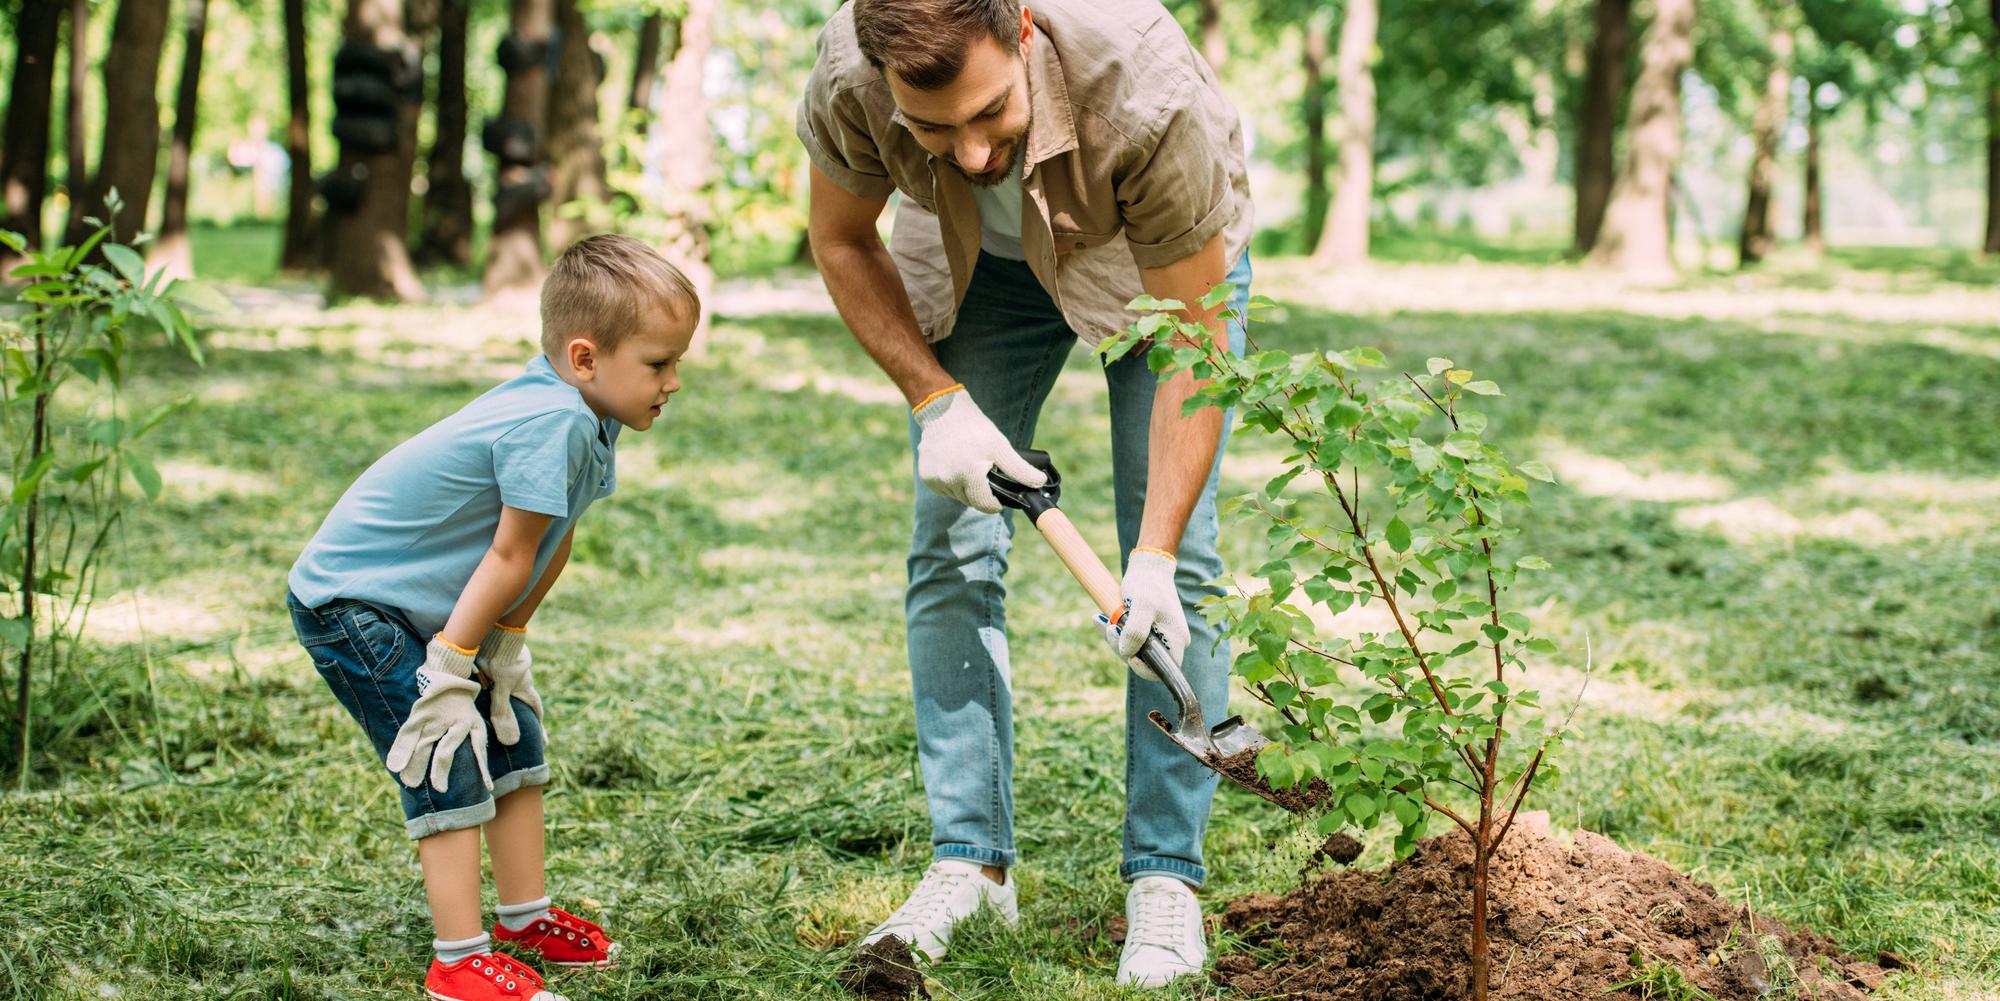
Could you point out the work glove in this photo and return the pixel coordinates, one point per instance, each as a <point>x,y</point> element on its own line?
<point>443,718</point>
<point>505,659</point>
<point>1152,604</point>
<point>956,445</point>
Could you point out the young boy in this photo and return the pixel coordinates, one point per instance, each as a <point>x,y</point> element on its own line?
<point>414,599</point>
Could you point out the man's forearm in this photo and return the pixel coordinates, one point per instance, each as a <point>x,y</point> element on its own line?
<point>1179,452</point>
<point>518,618</point>
<point>868,291</point>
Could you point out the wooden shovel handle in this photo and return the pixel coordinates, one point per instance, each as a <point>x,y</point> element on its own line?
<point>1082,562</point>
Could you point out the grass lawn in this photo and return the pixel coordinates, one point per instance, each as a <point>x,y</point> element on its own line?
<point>1782,543</point>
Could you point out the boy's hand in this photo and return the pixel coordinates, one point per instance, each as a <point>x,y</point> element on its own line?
<point>443,717</point>
<point>505,659</point>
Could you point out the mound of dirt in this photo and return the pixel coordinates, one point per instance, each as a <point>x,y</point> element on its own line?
<point>884,971</point>
<point>1566,922</point>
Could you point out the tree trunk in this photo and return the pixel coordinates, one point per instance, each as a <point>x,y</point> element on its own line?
<point>129,156</point>
<point>1597,123</point>
<point>576,145</point>
<point>172,252</point>
<point>1345,241</point>
<point>1637,236</point>
<point>646,68</point>
<point>447,226</point>
<point>1814,221</point>
<point>24,157</point>
<point>1214,43</point>
<point>1313,109</point>
<point>301,231</point>
<point>1993,130</point>
<point>369,195</point>
<point>74,161</point>
<point>689,169</point>
<point>1766,127</point>
<point>514,254</point>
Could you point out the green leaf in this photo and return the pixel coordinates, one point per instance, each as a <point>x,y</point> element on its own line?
<point>31,478</point>
<point>127,261</point>
<point>1493,632</point>
<point>1537,469</point>
<point>1541,646</point>
<point>1532,563</point>
<point>1148,302</point>
<point>1397,534</point>
<point>1458,376</point>
<point>14,632</point>
<point>1217,295</point>
<point>1437,365</point>
<point>144,474</point>
<point>1484,387</point>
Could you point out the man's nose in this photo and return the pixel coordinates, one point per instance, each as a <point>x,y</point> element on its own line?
<point>973,153</point>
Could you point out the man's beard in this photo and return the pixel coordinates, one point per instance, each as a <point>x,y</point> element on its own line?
<point>995,178</point>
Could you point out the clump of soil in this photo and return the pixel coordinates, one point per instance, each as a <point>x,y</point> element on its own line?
<point>1340,848</point>
<point>884,971</point>
<point>1565,924</point>
<point>1241,768</point>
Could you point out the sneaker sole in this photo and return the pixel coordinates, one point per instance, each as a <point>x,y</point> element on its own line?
<point>601,964</point>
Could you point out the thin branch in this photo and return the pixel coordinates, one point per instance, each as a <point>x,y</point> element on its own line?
<point>1450,813</point>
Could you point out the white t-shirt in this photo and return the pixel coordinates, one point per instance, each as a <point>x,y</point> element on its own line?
<point>1000,217</point>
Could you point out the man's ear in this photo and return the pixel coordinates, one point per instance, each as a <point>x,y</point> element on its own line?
<point>1027,31</point>
<point>582,356</point>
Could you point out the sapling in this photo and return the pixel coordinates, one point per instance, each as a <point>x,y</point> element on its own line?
<point>1388,495</point>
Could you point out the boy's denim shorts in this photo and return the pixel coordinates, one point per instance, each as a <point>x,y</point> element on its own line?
<point>369,656</point>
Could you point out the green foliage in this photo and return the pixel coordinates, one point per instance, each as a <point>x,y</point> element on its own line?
<point>71,445</point>
<point>1389,494</point>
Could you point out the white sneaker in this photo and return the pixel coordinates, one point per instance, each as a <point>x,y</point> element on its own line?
<point>951,891</point>
<point>1163,933</point>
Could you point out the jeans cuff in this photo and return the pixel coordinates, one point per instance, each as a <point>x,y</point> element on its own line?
<point>449,820</point>
<point>1186,872</point>
<point>974,853</point>
<point>536,776</point>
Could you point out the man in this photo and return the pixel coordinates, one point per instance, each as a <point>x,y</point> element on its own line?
<point>1053,163</point>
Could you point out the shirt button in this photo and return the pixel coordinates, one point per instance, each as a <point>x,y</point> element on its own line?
<point>1079,244</point>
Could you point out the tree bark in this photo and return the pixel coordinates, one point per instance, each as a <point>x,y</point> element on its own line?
<point>1815,217</point>
<point>129,156</point>
<point>1345,241</point>
<point>1313,109</point>
<point>1597,122</point>
<point>446,235</point>
<point>514,253</point>
<point>646,67</point>
<point>1766,127</point>
<point>77,182</point>
<point>1214,43</point>
<point>301,230</point>
<point>369,255</point>
<point>576,144</point>
<point>689,167</point>
<point>1993,130</point>
<point>172,252</point>
<point>24,157</point>
<point>1637,236</point>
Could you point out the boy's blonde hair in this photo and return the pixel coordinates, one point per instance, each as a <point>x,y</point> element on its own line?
<point>598,286</point>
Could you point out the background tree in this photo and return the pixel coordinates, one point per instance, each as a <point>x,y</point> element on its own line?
<point>376,77</point>
<point>446,233</point>
<point>172,253</point>
<point>1345,238</point>
<point>1774,108</point>
<point>128,159</point>
<point>24,145</point>
<point>1636,237</point>
<point>576,144</point>
<point>75,160</point>
<point>1597,119</point>
<point>514,252</point>
<point>301,230</point>
<point>1992,244</point>
<point>688,166</point>
<point>652,40</point>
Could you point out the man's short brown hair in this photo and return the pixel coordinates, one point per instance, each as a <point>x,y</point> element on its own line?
<point>599,285</point>
<point>925,41</point>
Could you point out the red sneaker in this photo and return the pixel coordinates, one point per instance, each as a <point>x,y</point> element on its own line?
<point>486,977</point>
<point>564,939</point>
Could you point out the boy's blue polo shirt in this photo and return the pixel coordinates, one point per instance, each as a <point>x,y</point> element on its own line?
<point>409,533</point>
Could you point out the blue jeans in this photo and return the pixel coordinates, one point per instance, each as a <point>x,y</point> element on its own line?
<point>1007,348</point>
<point>369,656</point>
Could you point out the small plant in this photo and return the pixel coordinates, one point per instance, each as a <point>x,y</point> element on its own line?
<point>1408,508</point>
<point>1659,980</point>
<point>70,446</point>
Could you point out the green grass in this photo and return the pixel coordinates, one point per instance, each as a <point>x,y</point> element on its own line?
<point>1809,719</point>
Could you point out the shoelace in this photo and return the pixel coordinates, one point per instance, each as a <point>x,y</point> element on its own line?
<point>503,970</point>
<point>575,927</point>
<point>1161,920</point>
<point>933,891</point>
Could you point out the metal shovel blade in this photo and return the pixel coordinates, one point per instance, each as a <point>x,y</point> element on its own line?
<point>1212,747</point>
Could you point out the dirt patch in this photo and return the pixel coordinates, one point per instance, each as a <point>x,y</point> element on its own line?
<point>884,971</point>
<point>1566,922</point>
<point>1340,848</point>
<point>1241,768</point>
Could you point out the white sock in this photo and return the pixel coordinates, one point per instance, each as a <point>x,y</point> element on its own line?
<point>515,917</point>
<point>451,952</point>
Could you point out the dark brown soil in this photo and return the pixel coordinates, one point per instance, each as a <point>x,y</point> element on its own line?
<point>1241,768</point>
<point>1340,848</point>
<point>1566,921</point>
<point>885,971</point>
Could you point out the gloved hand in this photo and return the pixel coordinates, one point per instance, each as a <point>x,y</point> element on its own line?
<point>1152,602</point>
<point>443,718</point>
<point>505,659</point>
<point>956,445</point>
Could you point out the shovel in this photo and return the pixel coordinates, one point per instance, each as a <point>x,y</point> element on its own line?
<point>1211,747</point>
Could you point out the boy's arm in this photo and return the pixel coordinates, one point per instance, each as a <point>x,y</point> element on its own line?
<point>501,575</point>
<point>518,618</point>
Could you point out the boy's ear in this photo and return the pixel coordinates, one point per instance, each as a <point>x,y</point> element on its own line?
<point>582,357</point>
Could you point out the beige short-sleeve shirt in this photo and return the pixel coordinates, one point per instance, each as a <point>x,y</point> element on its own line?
<point>1134,160</point>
